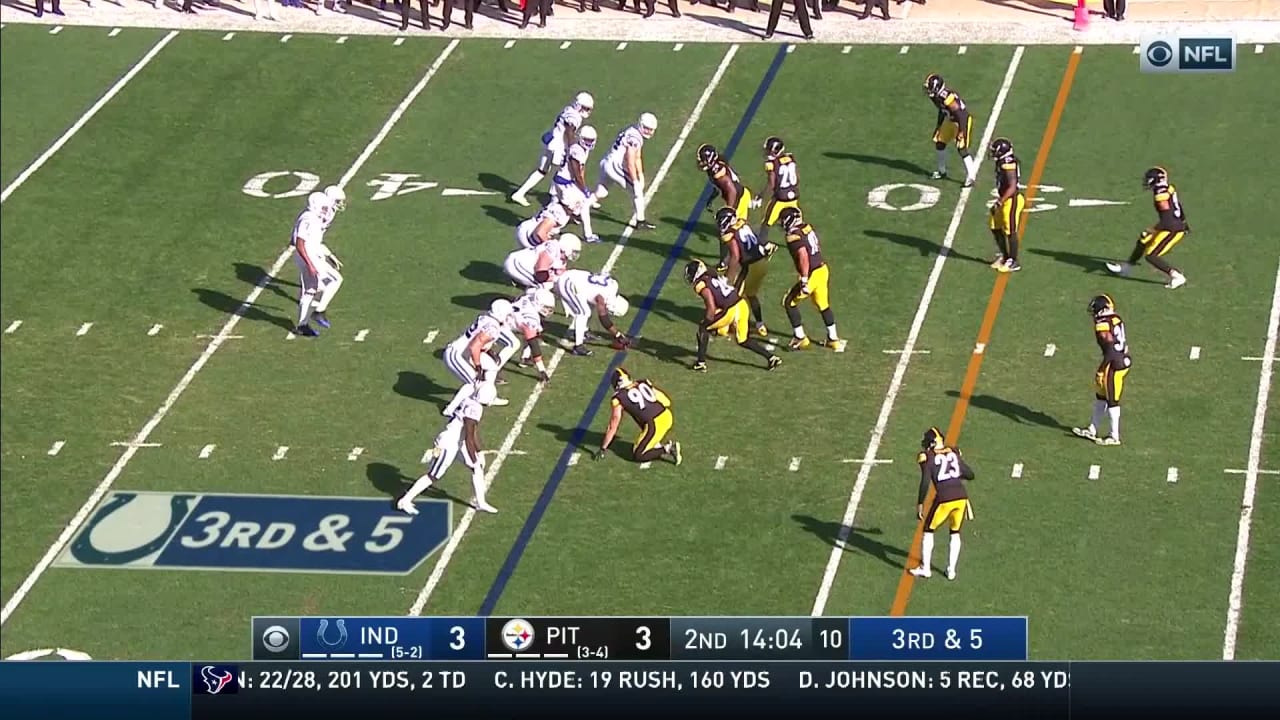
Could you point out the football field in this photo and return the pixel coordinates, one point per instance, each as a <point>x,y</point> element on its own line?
<point>174,461</point>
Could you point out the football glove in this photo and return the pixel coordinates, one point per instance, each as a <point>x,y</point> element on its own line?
<point>621,342</point>
<point>600,454</point>
<point>544,377</point>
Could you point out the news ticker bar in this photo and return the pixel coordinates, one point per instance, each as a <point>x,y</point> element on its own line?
<point>316,691</point>
<point>639,638</point>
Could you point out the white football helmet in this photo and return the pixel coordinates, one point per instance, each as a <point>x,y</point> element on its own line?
<point>587,137</point>
<point>318,202</point>
<point>618,306</point>
<point>337,197</point>
<point>542,299</point>
<point>648,124</point>
<point>571,245</point>
<point>585,103</point>
<point>501,309</point>
<point>486,393</point>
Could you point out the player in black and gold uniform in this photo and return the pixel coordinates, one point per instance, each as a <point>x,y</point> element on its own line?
<point>814,283</point>
<point>725,179</point>
<point>650,408</point>
<point>1109,379</point>
<point>1006,212</point>
<point>943,469</point>
<point>726,314</point>
<point>1170,228</point>
<point>955,124</point>
<point>782,183</point>
<point>744,260</point>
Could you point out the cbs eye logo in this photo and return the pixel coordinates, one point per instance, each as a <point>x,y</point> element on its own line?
<point>275,639</point>
<point>1159,53</point>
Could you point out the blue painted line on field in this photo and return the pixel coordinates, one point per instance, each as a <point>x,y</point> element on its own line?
<point>603,389</point>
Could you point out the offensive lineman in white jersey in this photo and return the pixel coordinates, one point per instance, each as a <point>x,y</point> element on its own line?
<point>569,184</point>
<point>541,265</point>
<point>581,292</point>
<point>543,226</point>
<point>459,437</point>
<point>563,133</point>
<point>526,321</point>
<point>624,165</point>
<point>316,263</point>
<point>468,356</point>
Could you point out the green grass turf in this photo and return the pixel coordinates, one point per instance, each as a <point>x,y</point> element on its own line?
<point>1124,566</point>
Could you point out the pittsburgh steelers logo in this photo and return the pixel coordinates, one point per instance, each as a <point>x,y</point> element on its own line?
<point>517,635</point>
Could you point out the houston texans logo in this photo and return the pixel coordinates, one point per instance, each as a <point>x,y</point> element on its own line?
<point>214,679</point>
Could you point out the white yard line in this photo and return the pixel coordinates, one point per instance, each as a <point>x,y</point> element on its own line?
<point>87,116</point>
<point>1235,599</point>
<point>103,487</point>
<point>504,450</point>
<point>904,360</point>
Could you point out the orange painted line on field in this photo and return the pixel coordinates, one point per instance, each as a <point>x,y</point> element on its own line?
<point>905,583</point>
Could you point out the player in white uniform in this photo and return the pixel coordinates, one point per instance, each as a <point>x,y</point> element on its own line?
<point>556,142</point>
<point>541,265</point>
<point>569,184</point>
<point>623,165</point>
<point>544,226</point>
<point>459,437</point>
<point>337,199</point>
<point>581,292</point>
<point>320,279</point>
<point>526,323</point>
<point>468,356</point>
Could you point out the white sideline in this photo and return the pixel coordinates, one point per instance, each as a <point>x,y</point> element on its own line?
<point>87,116</point>
<point>900,370</point>
<point>83,513</point>
<point>504,450</point>
<point>1235,599</point>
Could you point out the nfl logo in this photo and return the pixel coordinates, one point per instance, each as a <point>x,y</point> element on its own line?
<point>517,635</point>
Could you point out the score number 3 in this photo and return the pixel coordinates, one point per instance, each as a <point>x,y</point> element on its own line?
<point>643,638</point>
<point>459,638</point>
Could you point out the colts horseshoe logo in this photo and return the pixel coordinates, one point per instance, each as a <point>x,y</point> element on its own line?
<point>325,642</point>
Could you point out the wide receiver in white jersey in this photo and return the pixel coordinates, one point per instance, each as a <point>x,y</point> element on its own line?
<point>569,184</point>
<point>526,323</point>
<point>623,165</point>
<point>541,265</point>
<point>459,437</point>
<point>468,357</point>
<point>318,268</point>
<point>582,292</point>
<point>544,226</point>
<point>556,141</point>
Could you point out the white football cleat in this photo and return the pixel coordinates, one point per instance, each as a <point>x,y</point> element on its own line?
<point>483,507</point>
<point>1176,280</point>
<point>1119,268</point>
<point>520,200</point>
<point>406,506</point>
<point>1108,440</point>
<point>921,572</point>
<point>499,402</point>
<point>1087,433</point>
<point>951,573</point>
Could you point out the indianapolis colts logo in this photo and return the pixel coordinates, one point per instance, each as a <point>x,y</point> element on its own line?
<point>215,680</point>
<point>325,642</point>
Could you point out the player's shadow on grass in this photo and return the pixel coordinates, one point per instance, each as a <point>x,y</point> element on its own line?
<point>704,229</point>
<point>860,538</point>
<point>924,246</point>
<point>1091,264</point>
<point>1016,412</point>
<point>253,275</point>
<point>591,439</point>
<point>227,305</point>
<point>388,480</point>
<point>482,301</point>
<point>687,312</point>
<point>504,215</point>
<point>891,163</point>
<point>724,22</point>
<point>681,355</point>
<point>660,246</point>
<point>486,272</point>
<point>416,386</point>
<point>496,183</point>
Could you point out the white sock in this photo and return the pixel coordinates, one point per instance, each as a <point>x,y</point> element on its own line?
<point>926,551</point>
<point>954,551</point>
<point>601,192</point>
<point>525,354</point>
<point>1114,414</point>
<point>942,160</point>
<point>585,217</point>
<point>637,201</point>
<point>304,307</point>
<point>419,486</point>
<point>330,291</point>
<point>831,333</point>
<point>477,483</point>
<point>798,332</point>
<point>463,393</point>
<point>579,327</point>
<point>529,182</point>
<point>1099,412</point>
<point>971,165</point>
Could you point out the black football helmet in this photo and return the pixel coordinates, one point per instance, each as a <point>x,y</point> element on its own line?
<point>1155,176</point>
<point>773,146</point>
<point>1100,304</point>
<point>620,378</point>
<point>725,218</point>
<point>1000,147</point>
<point>791,219</point>
<point>707,155</point>
<point>934,85</point>
<point>932,439</point>
<point>694,270</point>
